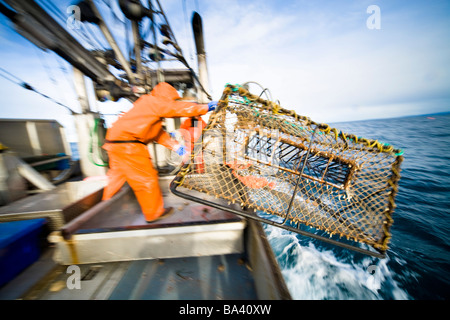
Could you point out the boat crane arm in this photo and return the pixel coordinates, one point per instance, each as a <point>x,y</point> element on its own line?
<point>40,28</point>
<point>34,23</point>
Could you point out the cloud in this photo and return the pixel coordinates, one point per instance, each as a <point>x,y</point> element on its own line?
<point>316,57</point>
<point>323,61</point>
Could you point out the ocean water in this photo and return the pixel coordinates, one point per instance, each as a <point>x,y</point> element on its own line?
<point>75,152</point>
<point>417,265</point>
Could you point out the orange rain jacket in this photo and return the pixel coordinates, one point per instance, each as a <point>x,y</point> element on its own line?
<point>191,135</point>
<point>131,161</point>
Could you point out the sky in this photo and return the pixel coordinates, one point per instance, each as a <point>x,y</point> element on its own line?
<point>331,61</point>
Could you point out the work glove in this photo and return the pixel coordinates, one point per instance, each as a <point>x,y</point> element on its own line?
<point>212,105</point>
<point>181,151</point>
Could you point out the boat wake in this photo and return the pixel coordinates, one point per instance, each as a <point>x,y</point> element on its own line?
<point>313,272</point>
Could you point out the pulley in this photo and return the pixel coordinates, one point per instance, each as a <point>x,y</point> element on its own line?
<point>134,10</point>
<point>86,13</point>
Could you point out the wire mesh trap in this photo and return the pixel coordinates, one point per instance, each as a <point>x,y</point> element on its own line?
<point>288,171</point>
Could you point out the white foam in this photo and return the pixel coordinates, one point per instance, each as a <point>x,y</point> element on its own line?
<point>313,274</point>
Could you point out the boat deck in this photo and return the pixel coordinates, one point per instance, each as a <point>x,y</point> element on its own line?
<point>125,213</point>
<point>197,253</point>
<point>220,277</point>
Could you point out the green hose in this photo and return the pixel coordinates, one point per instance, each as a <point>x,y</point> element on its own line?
<point>95,132</point>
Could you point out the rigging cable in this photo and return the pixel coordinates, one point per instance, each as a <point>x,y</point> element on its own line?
<point>108,4</point>
<point>50,74</point>
<point>27,86</point>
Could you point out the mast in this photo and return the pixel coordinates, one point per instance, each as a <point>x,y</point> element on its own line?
<point>197,28</point>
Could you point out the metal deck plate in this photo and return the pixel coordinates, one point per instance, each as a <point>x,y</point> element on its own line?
<point>59,205</point>
<point>194,278</point>
<point>126,214</point>
<point>197,278</point>
<point>117,231</point>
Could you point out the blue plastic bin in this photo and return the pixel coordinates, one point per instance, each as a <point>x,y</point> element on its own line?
<point>19,246</point>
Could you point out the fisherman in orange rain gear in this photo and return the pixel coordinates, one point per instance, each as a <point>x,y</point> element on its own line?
<point>192,129</point>
<point>126,142</point>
